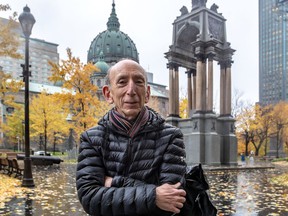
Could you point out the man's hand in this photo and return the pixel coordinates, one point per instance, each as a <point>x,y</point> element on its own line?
<point>108,181</point>
<point>170,198</point>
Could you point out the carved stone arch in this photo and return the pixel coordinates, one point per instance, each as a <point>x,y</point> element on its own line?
<point>187,34</point>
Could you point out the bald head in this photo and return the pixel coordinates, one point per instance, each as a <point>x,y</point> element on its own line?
<point>124,63</point>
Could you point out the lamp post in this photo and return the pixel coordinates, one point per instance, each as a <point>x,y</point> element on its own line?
<point>27,21</point>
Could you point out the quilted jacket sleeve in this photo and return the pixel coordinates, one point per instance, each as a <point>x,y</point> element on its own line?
<point>173,167</point>
<point>109,201</point>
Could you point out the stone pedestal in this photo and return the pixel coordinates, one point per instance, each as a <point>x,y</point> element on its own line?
<point>208,139</point>
<point>226,130</point>
<point>202,142</point>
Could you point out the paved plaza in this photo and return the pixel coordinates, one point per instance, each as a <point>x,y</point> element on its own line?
<point>234,192</point>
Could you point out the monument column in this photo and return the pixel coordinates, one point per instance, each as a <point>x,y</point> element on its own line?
<point>222,88</point>
<point>204,84</point>
<point>228,89</point>
<point>194,90</point>
<point>176,96</point>
<point>189,91</point>
<point>210,84</point>
<point>173,90</point>
<point>199,83</point>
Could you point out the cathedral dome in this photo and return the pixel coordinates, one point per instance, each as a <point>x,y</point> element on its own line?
<point>114,44</point>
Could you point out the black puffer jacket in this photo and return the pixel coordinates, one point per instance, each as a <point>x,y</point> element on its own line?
<point>138,165</point>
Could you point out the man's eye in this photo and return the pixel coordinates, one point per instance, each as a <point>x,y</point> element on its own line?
<point>121,82</point>
<point>140,81</point>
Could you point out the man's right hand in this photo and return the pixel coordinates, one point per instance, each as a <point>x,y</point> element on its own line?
<point>170,197</point>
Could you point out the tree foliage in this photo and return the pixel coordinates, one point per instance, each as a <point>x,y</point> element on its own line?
<point>183,108</point>
<point>48,118</point>
<point>260,127</point>
<point>9,41</point>
<point>279,124</point>
<point>257,124</point>
<point>8,86</point>
<point>13,127</point>
<point>244,125</point>
<point>81,94</point>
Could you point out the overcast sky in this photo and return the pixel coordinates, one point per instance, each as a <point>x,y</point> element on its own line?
<point>75,23</point>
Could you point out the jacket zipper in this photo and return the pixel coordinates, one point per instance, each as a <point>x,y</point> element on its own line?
<point>129,157</point>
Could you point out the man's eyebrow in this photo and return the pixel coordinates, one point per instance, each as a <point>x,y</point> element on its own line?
<point>139,76</point>
<point>122,76</point>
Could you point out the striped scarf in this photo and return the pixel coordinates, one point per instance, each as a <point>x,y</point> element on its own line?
<point>129,127</point>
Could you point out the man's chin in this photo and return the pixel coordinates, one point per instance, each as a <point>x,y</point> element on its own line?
<point>131,114</point>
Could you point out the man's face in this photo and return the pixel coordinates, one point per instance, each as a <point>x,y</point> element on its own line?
<point>128,89</point>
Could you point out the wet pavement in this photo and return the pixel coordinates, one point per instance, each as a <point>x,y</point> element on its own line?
<point>245,192</point>
<point>248,192</point>
<point>54,194</point>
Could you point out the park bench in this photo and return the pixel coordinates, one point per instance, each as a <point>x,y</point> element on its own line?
<point>4,165</point>
<point>42,160</point>
<point>12,154</point>
<point>16,167</point>
<point>10,165</point>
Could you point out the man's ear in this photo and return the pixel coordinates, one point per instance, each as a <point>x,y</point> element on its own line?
<point>107,94</point>
<point>147,96</point>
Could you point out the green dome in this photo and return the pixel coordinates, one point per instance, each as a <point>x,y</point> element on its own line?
<point>114,44</point>
<point>101,64</point>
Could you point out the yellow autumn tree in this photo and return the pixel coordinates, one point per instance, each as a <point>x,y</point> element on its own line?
<point>13,127</point>
<point>9,41</point>
<point>8,88</point>
<point>48,118</point>
<point>244,128</point>
<point>260,127</point>
<point>263,127</point>
<point>183,107</point>
<point>279,124</point>
<point>81,94</point>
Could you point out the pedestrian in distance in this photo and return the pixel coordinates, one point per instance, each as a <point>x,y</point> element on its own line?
<point>132,162</point>
<point>243,159</point>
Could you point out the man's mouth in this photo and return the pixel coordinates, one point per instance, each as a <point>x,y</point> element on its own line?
<point>131,104</point>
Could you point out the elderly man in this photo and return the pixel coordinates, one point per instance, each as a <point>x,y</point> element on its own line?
<point>132,162</point>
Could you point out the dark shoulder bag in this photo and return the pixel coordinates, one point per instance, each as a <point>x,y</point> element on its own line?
<point>198,202</point>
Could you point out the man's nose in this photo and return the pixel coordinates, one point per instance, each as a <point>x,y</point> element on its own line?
<point>131,88</point>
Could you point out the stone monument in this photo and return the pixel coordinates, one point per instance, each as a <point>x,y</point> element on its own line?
<point>199,38</point>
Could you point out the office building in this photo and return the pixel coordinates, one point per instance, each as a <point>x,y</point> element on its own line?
<point>273,52</point>
<point>40,53</point>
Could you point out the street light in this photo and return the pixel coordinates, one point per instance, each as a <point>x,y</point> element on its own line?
<point>27,21</point>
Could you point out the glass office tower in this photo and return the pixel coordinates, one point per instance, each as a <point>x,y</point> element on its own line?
<point>273,52</point>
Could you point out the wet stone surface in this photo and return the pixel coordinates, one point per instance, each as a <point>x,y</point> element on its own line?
<point>238,193</point>
<point>248,192</point>
<point>54,194</point>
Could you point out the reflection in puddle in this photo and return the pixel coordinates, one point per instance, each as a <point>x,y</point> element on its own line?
<point>247,193</point>
<point>28,204</point>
